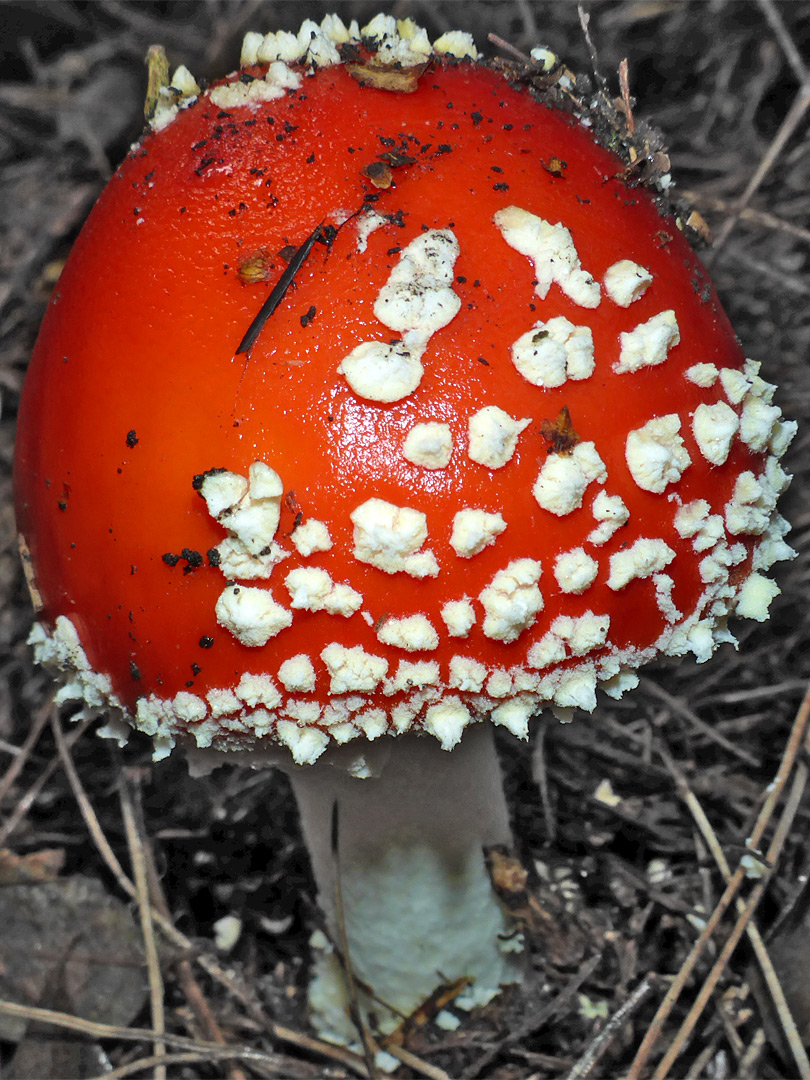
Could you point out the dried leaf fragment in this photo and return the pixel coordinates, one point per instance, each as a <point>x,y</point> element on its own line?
<point>44,865</point>
<point>559,433</point>
<point>441,997</point>
<point>509,876</point>
<point>697,222</point>
<point>399,80</point>
<point>30,578</point>
<point>656,166</point>
<point>396,158</point>
<point>157,78</point>
<point>70,945</point>
<point>379,173</point>
<point>543,920</point>
<point>255,267</point>
<point>554,165</point>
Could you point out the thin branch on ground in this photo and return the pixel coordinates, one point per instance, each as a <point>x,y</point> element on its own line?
<point>417,1064</point>
<point>771,980</point>
<point>756,219</point>
<point>131,812</point>
<point>534,1023</point>
<point>786,130</point>
<point>183,970</point>
<point>20,760</point>
<point>772,856</point>
<point>32,794</point>
<point>774,794</point>
<point>771,12</point>
<point>281,1032</point>
<point>95,1030</point>
<point>612,1029</point>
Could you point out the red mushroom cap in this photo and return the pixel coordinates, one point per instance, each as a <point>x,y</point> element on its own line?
<point>492,442</point>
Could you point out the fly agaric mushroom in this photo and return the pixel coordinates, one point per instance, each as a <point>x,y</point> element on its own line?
<point>376,401</point>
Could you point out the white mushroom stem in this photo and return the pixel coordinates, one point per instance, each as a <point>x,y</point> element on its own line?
<point>419,909</point>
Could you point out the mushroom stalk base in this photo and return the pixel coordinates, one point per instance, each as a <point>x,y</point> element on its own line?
<point>418,904</point>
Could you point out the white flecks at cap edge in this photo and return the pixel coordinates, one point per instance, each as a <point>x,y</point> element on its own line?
<point>297,674</point>
<point>714,428</point>
<point>459,617</point>
<point>312,589</point>
<point>642,559</point>
<point>311,536</point>
<point>648,344</point>
<point>251,615</point>
<point>233,95</point>
<point>396,41</point>
<point>703,375</point>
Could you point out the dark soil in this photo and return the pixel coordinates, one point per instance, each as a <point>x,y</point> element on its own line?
<point>620,882</point>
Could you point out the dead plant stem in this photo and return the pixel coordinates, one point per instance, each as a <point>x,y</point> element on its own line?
<point>772,856</point>
<point>774,793</point>
<point>763,959</point>
<point>128,795</point>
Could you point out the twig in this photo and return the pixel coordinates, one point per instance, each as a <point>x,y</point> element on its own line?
<point>416,1064</point>
<point>508,47</point>
<point>95,1030</point>
<point>624,86</point>
<point>109,1031</point>
<point>86,810</point>
<point>794,284</point>
<point>540,773</point>
<point>794,117</point>
<point>7,747</point>
<point>186,36</point>
<point>750,1059</point>
<point>726,1014</point>
<point>534,1023</point>
<point>30,797</point>
<point>768,690</point>
<point>15,768</point>
<point>748,215</point>
<point>202,1011</point>
<point>782,35</point>
<point>279,290</point>
<point>141,1064</point>
<point>697,1069</point>
<point>184,971</point>
<point>771,979</point>
<point>128,795</point>
<point>682,709</point>
<point>526,10</point>
<point>277,1031</point>
<point>594,1052</point>
<point>772,857</point>
<point>584,22</point>
<point>775,789</point>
